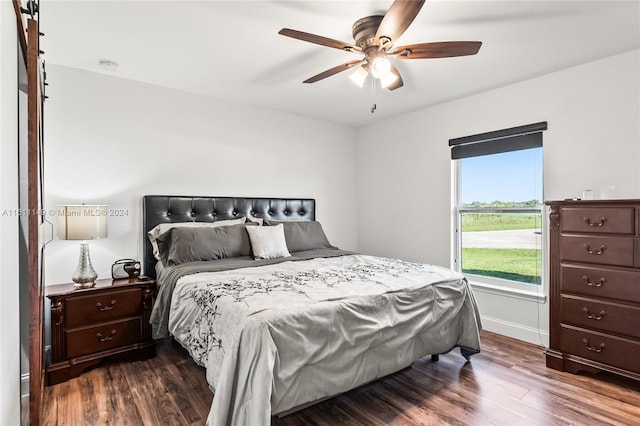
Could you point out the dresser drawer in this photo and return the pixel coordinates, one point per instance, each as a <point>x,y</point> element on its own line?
<point>615,351</point>
<point>600,282</point>
<point>597,249</point>
<point>608,220</point>
<point>598,315</point>
<point>84,341</point>
<point>94,308</point>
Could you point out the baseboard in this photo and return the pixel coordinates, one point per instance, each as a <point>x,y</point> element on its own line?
<point>24,378</point>
<point>516,331</point>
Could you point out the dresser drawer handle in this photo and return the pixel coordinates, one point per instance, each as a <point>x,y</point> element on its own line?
<point>592,316</point>
<point>598,252</point>
<point>106,338</point>
<point>595,224</point>
<point>106,308</point>
<point>597,349</point>
<point>590,283</point>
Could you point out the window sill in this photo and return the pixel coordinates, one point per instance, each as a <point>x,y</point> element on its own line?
<point>537,295</point>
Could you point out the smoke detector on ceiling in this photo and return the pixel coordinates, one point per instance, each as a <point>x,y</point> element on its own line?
<point>108,65</point>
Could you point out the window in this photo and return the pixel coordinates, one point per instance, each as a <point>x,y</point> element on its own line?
<point>498,207</point>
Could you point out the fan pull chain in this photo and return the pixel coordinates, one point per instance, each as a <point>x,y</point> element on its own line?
<point>374,105</point>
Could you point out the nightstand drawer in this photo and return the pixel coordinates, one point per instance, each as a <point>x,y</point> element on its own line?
<point>86,341</point>
<point>601,282</point>
<point>597,249</point>
<point>615,351</point>
<point>94,308</point>
<point>605,220</point>
<point>598,315</point>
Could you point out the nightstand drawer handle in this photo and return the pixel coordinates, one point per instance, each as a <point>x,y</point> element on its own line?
<point>597,349</point>
<point>598,252</point>
<point>592,316</point>
<point>594,283</point>
<point>106,308</point>
<point>106,338</point>
<point>595,224</point>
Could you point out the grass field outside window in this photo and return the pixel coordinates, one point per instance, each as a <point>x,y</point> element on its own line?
<point>494,257</point>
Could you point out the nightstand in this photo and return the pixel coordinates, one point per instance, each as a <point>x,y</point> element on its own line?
<point>91,324</point>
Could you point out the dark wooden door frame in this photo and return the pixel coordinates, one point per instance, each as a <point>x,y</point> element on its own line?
<point>36,293</point>
<point>29,41</point>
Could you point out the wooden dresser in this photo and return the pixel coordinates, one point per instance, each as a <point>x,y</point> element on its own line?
<point>91,324</point>
<point>595,286</point>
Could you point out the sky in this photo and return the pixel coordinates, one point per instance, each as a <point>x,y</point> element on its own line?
<point>509,176</point>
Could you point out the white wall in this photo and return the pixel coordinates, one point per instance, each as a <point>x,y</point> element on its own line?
<point>9,313</point>
<point>111,141</point>
<point>404,166</point>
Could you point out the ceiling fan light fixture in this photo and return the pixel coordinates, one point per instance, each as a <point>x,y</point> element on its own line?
<point>359,76</point>
<point>380,67</point>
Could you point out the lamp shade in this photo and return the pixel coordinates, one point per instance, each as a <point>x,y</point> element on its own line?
<point>82,222</point>
<point>380,67</point>
<point>386,80</point>
<point>359,76</point>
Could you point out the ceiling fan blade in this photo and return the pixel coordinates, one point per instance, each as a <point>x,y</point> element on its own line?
<point>398,83</point>
<point>397,19</point>
<point>444,49</point>
<point>332,71</point>
<point>322,41</point>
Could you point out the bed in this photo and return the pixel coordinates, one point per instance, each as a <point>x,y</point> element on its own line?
<point>284,330</point>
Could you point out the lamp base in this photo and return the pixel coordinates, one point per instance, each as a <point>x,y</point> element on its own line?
<point>85,276</point>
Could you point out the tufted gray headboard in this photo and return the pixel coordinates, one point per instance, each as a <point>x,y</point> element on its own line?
<point>158,209</point>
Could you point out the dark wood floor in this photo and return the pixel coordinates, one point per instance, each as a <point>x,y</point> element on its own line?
<point>506,384</point>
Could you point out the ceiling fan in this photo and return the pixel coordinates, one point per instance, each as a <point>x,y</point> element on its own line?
<point>375,36</point>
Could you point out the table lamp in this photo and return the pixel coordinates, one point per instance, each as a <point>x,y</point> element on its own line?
<point>83,222</point>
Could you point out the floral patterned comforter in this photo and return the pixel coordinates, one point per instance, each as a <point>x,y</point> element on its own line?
<point>276,336</point>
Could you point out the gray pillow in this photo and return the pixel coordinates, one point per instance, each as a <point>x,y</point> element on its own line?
<point>182,245</point>
<point>302,235</point>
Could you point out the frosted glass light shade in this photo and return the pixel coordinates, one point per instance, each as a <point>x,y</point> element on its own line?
<point>386,80</point>
<point>380,68</point>
<point>359,76</point>
<point>82,222</point>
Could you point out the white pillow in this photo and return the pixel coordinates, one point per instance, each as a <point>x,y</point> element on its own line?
<point>164,227</point>
<point>267,242</point>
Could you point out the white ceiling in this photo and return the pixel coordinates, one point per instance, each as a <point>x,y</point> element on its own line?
<point>230,50</point>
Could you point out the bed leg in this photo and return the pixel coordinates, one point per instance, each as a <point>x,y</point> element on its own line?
<point>435,358</point>
<point>466,353</point>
